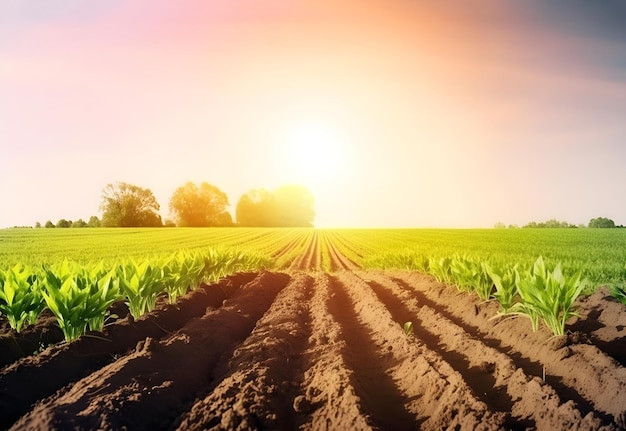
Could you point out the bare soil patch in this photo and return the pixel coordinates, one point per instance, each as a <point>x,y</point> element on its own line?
<point>309,350</point>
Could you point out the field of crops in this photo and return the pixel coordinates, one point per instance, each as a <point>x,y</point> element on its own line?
<point>312,329</point>
<point>599,253</point>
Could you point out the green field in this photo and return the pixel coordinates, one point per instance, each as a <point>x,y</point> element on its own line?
<point>599,253</point>
<point>596,251</point>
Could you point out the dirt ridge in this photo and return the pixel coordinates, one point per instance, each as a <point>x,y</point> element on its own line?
<point>338,261</point>
<point>133,391</point>
<point>311,258</point>
<point>579,370</point>
<point>268,362</point>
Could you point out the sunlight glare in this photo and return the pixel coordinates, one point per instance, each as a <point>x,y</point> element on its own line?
<point>313,153</point>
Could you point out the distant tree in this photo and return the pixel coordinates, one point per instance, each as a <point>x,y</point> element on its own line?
<point>64,223</point>
<point>287,206</point>
<point>127,205</point>
<point>552,223</point>
<point>200,206</point>
<point>37,225</point>
<point>79,223</point>
<point>169,223</point>
<point>295,206</point>
<point>49,224</point>
<point>256,209</point>
<point>513,226</point>
<point>226,220</point>
<point>94,221</point>
<point>601,222</point>
<point>499,225</point>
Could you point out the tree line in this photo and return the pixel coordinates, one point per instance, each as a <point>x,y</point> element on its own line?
<point>203,205</point>
<point>598,222</point>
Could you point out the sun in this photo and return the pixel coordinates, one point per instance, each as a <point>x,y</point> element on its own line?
<point>313,153</point>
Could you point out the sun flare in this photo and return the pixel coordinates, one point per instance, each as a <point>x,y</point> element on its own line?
<point>314,153</point>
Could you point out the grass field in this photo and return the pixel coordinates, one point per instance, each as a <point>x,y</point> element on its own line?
<point>599,253</point>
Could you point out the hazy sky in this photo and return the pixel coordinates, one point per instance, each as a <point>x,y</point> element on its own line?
<point>393,112</point>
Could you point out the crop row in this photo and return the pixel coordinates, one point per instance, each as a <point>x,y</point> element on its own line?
<point>541,293</point>
<point>599,253</point>
<point>79,295</point>
<point>502,266</point>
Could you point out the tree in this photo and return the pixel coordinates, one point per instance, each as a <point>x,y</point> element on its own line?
<point>295,206</point>
<point>49,224</point>
<point>37,225</point>
<point>94,221</point>
<point>127,205</point>
<point>201,206</point>
<point>225,220</point>
<point>552,223</point>
<point>601,222</point>
<point>287,206</point>
<point>256,209</point>
<point>64,223</point>
<point>79,223</point>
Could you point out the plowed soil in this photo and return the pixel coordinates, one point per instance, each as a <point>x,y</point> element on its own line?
<point>306,349</point>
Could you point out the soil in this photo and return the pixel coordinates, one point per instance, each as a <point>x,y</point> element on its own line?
<point>306,349</point>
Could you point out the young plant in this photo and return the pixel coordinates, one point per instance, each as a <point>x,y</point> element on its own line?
<point>484,284</point>
<point>548,296</point>
<point>618,291</point>
<point>462,273</point>
<point>103,291</point>
<point>66,299</point>
<point>441,270</point>
<point>469,275</point>
<point>182,271</point>
<point>79,296</point>
<point>503,278</point>
<point>20,299</point>
<point>141,283</point>
<point>408,328</point>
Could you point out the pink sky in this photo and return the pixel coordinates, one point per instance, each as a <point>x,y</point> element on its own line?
<point>459,114</point>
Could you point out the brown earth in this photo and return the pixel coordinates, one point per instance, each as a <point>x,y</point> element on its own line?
<point>305,349</point>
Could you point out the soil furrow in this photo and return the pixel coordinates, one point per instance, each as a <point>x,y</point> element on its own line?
<point>33,378</point>
<point>603,317</point>
<point>260,381</point>
<point>289,247</point>
<point>381,398</point>
<point>314,261</point>
<point>14,346</point>
<point>307,258</point>
<point>146,389</point>
<point>492,375</point>
<point>337,260</point>
<point>435,394</point>
<point>424,324</point>
<point>577,371</point>
<point>330,399</point>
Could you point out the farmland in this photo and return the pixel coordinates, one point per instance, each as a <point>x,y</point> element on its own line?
<point>314,335</point>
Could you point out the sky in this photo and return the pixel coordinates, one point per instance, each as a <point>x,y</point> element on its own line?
<point>394,113</point>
